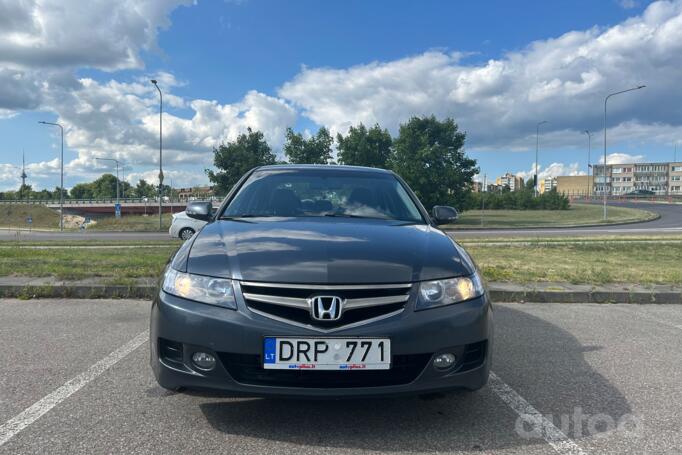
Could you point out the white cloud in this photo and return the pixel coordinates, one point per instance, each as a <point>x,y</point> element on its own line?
<point>553,170</point>
<point>9,177</point>
<point>43,43</point>
<point>622,158</point>
<point>562,80</point>
<point>120,120</point>
<point>73,33</point>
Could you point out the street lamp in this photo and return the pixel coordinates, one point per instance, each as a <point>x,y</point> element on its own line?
<point>115,161</point>
<point>589,150</point>
<point>604,167</point>
<point>123,179</point>
<point>153,81</point>
<point>537,143</point>
<point>61,184</point>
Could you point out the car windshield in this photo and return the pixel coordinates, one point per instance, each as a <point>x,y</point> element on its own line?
<point>343,193</point>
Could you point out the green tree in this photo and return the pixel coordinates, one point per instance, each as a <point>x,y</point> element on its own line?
<point>315,150</point>
<point>44,194</point>
<point>82,191</point>
<point>144,189</point>
<point>363,147</point>
<point>429,155</point>
<point>24,192</point>
<point>234,159</point>
<point>105,187</point>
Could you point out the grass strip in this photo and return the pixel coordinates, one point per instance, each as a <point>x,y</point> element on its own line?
<point>580,263</point>
<point>112,263</point>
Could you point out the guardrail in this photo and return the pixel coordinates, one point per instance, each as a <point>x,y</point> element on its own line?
<point>99,201</point>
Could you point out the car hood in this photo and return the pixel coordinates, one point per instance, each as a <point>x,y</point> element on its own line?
<point>323,251</point>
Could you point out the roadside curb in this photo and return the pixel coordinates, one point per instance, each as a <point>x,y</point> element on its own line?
<point>94,291</point>
<point>499,292</point>
<point>605,297</point>
<point>540,228</point>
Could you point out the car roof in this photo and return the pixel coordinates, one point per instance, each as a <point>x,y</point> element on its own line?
<point>324,167</point>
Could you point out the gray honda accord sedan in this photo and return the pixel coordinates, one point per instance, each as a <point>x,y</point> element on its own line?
<point>321,281</point>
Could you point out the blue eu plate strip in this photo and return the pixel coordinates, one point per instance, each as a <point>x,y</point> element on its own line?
<point>269,350</point>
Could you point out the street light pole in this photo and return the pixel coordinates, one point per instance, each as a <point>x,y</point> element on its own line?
<point>61,182</point>
<point>115,161</point>
<point>604,164</point>
<point>589,150</point>
<point>537,143</point>
<point>123,179</point>
<point>153,81</point>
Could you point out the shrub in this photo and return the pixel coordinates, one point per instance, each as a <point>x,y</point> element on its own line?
<point>516,200</point>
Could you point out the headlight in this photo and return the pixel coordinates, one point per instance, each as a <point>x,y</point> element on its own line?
<point>445,292</point>
<point>204,289</point>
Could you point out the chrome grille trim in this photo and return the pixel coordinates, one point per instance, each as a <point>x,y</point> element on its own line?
<point>331,330</point>
<point>352,304</point>
<point>327,287</point>
<point>304,303</point>
<point>290,302</point>
<point>277,300</point>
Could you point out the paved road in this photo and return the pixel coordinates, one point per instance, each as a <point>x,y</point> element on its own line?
<point>610,372</point>
<point>670,222</point>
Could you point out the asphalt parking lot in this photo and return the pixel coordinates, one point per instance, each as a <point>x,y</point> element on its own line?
<point>592,378</point>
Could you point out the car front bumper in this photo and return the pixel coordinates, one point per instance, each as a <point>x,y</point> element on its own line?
<point>235,337</point>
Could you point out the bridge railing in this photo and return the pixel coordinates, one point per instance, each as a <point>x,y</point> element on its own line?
<point>149,201</point>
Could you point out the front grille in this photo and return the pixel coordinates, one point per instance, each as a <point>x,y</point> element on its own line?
<point>290,302</point>
<point>248,369</point>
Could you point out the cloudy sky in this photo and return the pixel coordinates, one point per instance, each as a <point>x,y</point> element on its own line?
<point>497,68</point>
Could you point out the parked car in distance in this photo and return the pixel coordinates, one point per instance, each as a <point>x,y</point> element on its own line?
<point>184,227</point>
<point>321,281</point>
<point>640,192</point>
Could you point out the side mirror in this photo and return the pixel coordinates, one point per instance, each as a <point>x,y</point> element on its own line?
<point>200,210</point>
<point>442,214</point>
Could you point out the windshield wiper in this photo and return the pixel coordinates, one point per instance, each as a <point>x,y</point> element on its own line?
<point>350,215</point>
<point>235,218</point>
<point>247,215</point>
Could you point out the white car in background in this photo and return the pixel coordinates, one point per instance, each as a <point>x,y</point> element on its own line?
<point>184,227</point>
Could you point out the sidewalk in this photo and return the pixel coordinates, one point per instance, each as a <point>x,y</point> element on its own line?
<point>27,287</point>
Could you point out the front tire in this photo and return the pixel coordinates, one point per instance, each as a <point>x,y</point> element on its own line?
<point>186,233</point>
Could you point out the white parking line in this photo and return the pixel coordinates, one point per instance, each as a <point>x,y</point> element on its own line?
<point>29,415</point>
<point>555,437</point>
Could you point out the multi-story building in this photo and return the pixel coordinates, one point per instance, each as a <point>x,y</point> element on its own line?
<point>198,192</point>
<point>547,185</point>
<point>619,179</point>
<point>575,185</point>
<point>514,182</point>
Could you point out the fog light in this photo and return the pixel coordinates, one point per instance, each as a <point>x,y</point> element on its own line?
<point>443,361</point>
<point>203,361</point>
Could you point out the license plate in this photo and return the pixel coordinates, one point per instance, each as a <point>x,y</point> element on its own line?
<point>326,353</point>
